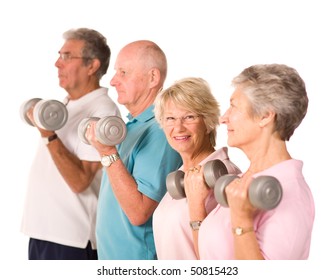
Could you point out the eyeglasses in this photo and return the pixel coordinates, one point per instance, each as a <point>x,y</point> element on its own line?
<point>67,56</point>
<point>188,119</point>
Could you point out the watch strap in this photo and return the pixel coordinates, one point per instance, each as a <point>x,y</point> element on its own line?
<point>240,230</point>
<point>49,139</point>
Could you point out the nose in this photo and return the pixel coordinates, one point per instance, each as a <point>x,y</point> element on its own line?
<point>113,81</point>
<point>58,62</point>
<point>223,119</point>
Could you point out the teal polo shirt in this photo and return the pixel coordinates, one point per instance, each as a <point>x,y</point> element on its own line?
<point>149,158</point>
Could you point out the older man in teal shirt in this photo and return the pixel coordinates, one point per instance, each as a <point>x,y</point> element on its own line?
<point>149,158</point>
<point>134,177</point>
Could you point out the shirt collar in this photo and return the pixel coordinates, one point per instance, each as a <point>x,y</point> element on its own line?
<point>145,116</point>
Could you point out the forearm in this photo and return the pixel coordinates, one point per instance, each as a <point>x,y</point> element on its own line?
<point>195,241</point>
<point>197,213</point>
<point>75,172</point>
<point>246,247</point>
<point>137,207</point>
<point>242,214</point>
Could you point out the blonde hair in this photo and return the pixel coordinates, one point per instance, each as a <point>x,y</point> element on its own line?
<point>193,94</point>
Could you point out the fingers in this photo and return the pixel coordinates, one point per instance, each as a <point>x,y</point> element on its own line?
<point>30,115</point>
<point>89,134</point>
<point>237,195</point>
<point>194,178</point>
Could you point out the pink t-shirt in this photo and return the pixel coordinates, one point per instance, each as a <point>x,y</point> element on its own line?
<point>283,233</point>
<point>172,234</point>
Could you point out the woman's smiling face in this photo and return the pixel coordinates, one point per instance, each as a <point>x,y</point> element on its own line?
<point>187,132</point>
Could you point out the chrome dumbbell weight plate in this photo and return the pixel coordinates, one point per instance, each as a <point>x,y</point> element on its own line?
<point>175,184</point>
<point>265,192</point>
<point>50,114</point>
<point>110,130</point>
<point>25,107</point>
<point>213,170</point>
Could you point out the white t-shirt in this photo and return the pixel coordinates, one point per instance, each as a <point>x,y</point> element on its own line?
<point>52,211</point>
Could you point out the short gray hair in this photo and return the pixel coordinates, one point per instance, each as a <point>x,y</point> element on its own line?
<point>277,88</point>
<point>95,46</point>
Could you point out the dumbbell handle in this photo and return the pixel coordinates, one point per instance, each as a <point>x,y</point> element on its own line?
<point>265,192</point>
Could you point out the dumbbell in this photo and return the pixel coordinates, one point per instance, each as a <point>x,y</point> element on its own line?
<point>48,114</point>
<point>109,131</point>
<point>213,170</point>
<point>265,192</point>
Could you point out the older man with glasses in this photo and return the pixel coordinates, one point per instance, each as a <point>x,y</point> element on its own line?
<point>60,209</point>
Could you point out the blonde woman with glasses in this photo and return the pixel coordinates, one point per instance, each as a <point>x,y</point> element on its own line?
<point>189,115</point>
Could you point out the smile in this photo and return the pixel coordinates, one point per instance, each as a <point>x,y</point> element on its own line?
<point>180,138</point>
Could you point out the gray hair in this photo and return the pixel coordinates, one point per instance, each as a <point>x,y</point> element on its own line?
<point>193,94</point>
<point>95,46</point>
<point>277,88</point>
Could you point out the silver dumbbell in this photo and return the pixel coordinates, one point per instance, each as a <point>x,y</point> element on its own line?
<point>109,131</point>
<point>265,192</point>
<point>48,114</point>
<point>213,170</point>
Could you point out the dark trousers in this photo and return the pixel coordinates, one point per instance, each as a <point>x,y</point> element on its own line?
<point>45,250</point>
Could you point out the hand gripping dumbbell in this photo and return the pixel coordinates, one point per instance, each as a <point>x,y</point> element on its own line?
<point>265,192</point>
<point>109,131</point>
<point>48,114</point>
<point>213,170</point>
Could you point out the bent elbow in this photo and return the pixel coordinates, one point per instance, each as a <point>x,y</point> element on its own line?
<point>79,187</point>
<point>138,220</point>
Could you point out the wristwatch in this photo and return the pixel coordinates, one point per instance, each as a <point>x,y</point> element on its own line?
<point>240,231</point>
<point>195,224</point>
<point>106,161</point>
<point>47,140</point>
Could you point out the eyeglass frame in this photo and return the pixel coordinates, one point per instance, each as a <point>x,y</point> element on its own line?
<point>67,57</point>
<point>182,119</point>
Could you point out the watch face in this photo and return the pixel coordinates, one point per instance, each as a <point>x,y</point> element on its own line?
<point>195,225</point>
<point>105,161</point>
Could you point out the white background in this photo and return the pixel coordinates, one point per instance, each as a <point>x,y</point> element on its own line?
<point>211,39</point>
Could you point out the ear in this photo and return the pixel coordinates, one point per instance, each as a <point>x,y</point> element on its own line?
<point>94,66</point>
<point>155,77</point>
<point>269,117</point>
